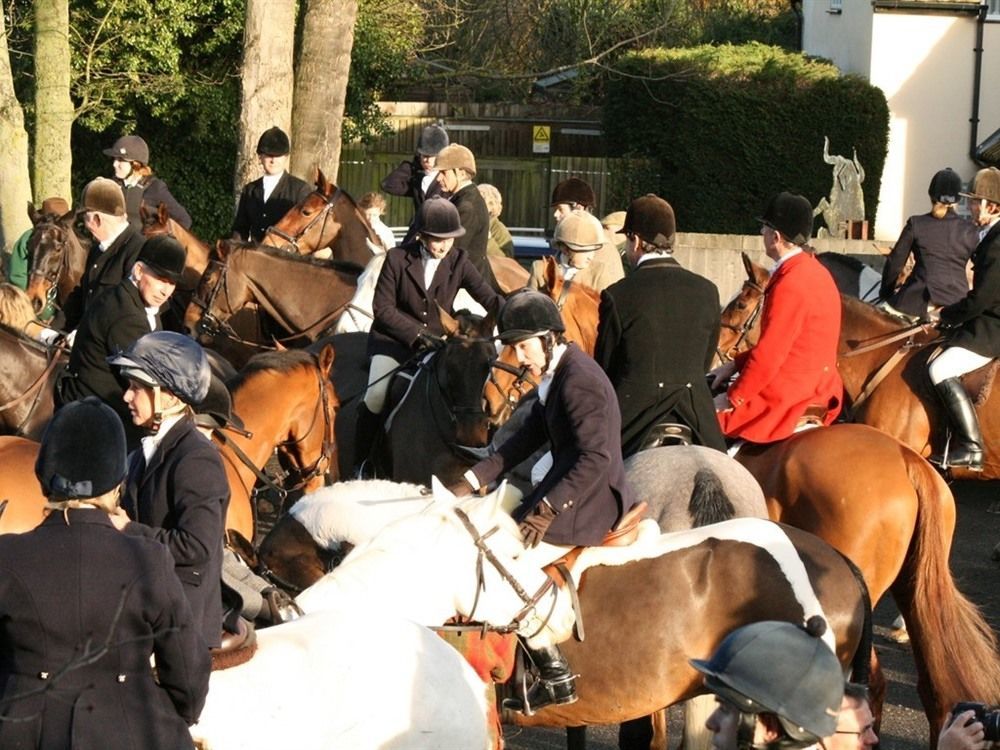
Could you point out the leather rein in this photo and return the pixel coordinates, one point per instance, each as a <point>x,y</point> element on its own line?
<point>324,214</point>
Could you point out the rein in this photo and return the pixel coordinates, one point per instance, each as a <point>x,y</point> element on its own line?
<point>35,389</point>
<point>521,376</point>
<point>323,461</point>
<point>890,364</point>
<point>324,213</point>
<point>530,602</point>
<point>743,330</point>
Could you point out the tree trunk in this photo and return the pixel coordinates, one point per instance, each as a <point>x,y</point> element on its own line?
<point>267,79</point>
<point>15,184</point>
<point>321,86</point>
<point>53,158</point>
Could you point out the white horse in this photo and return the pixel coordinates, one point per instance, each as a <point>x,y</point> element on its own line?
<point>344,679</point>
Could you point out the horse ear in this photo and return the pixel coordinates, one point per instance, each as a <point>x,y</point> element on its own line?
<point>326,357</point>
<point>322,184</point>
<point>222,249</point>
<point>440,493</point>
<point>448,323</point>
<point>34,215</point>
<point>162,213</point>
<point>143,213</point>
<point>748,266</point>
<point>550,275</point>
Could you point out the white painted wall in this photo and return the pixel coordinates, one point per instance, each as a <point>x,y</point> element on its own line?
<point>924,63</point>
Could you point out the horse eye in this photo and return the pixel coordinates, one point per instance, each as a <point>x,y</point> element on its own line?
<point>306,213</point>
<point>741,305</point>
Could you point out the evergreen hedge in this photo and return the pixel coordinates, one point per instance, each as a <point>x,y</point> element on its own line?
<point>717,130</point>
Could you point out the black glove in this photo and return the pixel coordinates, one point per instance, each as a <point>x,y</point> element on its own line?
<point>943,325</point>
<point>534,526</point>
<point>427,341</point>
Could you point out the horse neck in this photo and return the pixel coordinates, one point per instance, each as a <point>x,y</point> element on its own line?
<point>351,243</point>
<point>860,323</point>
<point>295,312</point>
<point>268,408</point>
<point>580,316</point>
<point>197,251</point>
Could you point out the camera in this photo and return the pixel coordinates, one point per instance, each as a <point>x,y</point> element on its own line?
<point>988,716</point>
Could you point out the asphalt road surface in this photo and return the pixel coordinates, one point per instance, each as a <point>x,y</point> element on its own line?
<point>904,726</point>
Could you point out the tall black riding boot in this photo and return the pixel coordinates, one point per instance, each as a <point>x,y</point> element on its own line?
<point>965,448</point>
<point>555,685</point>
<point>366,431</point>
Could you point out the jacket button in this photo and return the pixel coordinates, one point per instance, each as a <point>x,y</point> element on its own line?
<point>121,678</point>
<point>43,675</point>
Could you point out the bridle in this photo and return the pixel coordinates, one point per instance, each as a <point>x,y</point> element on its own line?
<point>530,601</point>
<point>514,393</point>
<point>439,376</point>
<point>743,330</point>
<point>210,325</point>
<point>324,213</point>
<point>325,459</point>
<point>53,276</point>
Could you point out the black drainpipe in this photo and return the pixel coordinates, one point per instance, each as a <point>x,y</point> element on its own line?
<point>797,10</point>
<point>976,84</point>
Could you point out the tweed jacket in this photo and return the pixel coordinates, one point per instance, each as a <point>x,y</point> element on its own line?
<point>254,215</point>
<point>180,499</point>
<point>977,316</point>
<point>794,364</point>
<point>71,583</point>
<point>402,307</point>
<point>104,270</point>
<point>586,485</point>
<point>657,335</point>
<point>941,249</point>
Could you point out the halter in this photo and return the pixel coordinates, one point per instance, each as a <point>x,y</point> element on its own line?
<point>324,213</point>
<point>748,324</point>
<point>530,602</point>
<point>514,393</point>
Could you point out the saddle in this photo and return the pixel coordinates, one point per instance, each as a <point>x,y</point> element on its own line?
<point>624,534</point>
<point>667,433</point>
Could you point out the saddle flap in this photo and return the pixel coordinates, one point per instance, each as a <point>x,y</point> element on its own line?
<point>979,383</point>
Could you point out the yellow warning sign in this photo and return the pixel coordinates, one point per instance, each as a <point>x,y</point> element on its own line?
<point>541,137</point>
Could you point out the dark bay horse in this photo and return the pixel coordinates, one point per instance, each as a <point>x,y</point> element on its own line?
<point>58,257</point>
<point>883,363</point>
<point>302,296</point>
<point>27,376</point>
<point>156,222</point>
<point>328,217</point>
<point>285,401</point>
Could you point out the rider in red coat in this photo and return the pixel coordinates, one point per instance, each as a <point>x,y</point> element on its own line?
<point>792,371</point>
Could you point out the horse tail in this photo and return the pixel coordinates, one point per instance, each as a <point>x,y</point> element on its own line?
<point>954,647</point>
<point>709,501</point>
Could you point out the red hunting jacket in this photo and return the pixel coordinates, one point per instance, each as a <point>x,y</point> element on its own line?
<point>794,365</point>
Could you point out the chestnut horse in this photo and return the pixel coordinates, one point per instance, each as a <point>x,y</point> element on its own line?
<point>328,217</point>
<point>285,401</point>
<point>883,363</point>
<point>303,296</point>
<point>26,383</point>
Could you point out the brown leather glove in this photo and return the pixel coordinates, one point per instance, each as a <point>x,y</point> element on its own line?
<point>461,488</point>
<point>534,526</point>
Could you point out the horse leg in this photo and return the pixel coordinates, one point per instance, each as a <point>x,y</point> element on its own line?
<point>576,738</point>
<point>877,686</point>
<point>636,734</point>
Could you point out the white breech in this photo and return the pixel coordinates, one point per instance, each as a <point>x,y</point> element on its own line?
<point>953,362</point>
<point>378,382</point>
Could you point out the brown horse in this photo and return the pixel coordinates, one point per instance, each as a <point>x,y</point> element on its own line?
<point>883,363</point>
<point>26,383</point>
<point>285,401</point>
<point>886,508</point>
<point>328,217</point>
<point>303,296</point>
<point>197,253</point>
<point>58,257</point>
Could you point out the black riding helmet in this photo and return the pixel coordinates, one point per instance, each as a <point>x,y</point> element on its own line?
<point>528,313</point>
<point>439,218</point>
<point>215,412</point>
<point>164,256</point>
<point>83,452</point>
<point>779,668</point>
<point>945,186</point>
<point>790,214</point>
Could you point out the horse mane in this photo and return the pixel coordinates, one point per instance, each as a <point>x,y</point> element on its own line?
<point>858,308</point>
<point>344,266</point>
<point>279,361</point>
<point>848,262</point>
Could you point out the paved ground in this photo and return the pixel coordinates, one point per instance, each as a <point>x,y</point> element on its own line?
<point>904,726</point>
